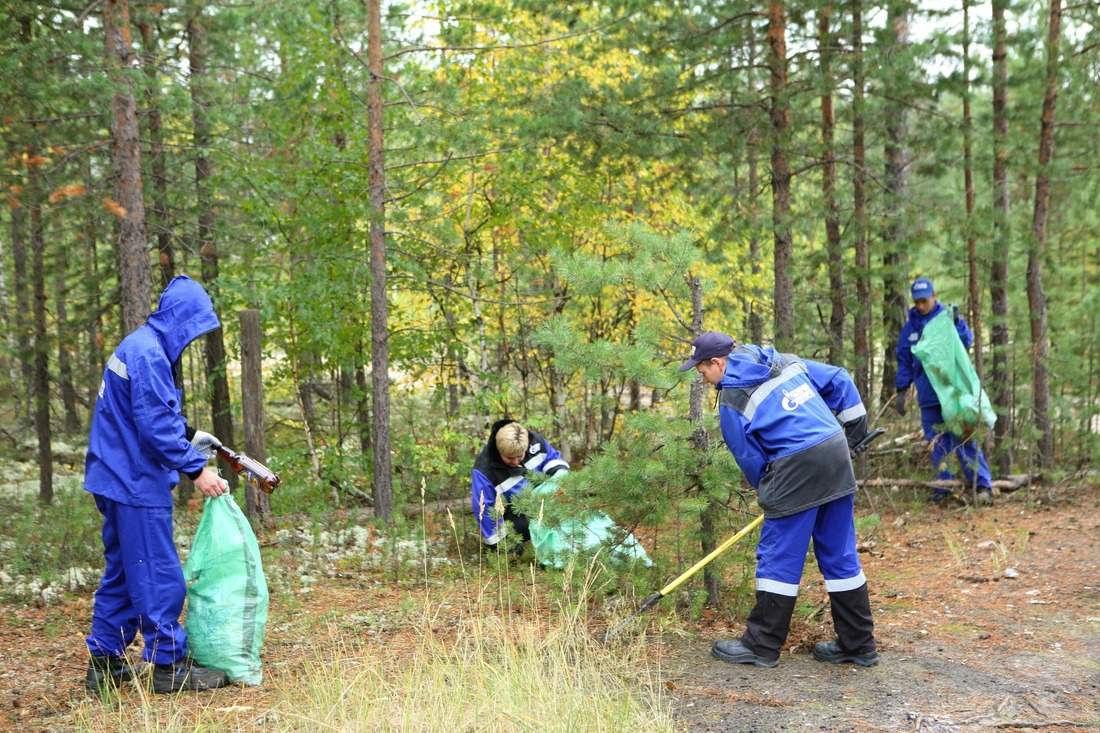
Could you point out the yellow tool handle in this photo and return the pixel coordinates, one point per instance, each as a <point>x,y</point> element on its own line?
<point>717,551</point>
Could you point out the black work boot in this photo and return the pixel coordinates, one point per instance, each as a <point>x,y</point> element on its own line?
<point>107,672</point>
<point>830,651</point>
<point>735,652</point>
<point>184,674</point>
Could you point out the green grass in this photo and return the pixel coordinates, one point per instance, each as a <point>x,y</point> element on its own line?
<point>493,668</point>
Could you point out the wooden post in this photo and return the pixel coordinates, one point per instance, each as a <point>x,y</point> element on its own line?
<point>257,504</point>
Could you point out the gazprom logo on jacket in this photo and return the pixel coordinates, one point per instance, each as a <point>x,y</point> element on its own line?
<point>795,397</point>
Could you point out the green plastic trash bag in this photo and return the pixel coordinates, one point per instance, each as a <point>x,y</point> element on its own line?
<point>555,543</point>
<point>965,405</point>
<point>227,595</point>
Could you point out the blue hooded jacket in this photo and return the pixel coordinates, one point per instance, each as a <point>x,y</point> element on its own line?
<point>910,370</point>
<point>138,444</point>
<point>781,418</point>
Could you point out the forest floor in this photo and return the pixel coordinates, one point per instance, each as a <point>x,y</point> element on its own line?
<point>987,620</point>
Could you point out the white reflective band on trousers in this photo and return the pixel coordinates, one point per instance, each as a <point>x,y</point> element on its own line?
<point>774,586</point>
<point>839,586</point>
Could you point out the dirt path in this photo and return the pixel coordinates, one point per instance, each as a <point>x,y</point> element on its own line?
<point>986,621</point>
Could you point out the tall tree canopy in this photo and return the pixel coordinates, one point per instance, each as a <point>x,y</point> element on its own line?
<point>441,201</point>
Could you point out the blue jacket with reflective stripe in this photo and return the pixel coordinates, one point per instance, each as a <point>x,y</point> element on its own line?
<point>781,418</point>
<point>137,445</point>
<point>492,476</point>
<point>910,369</point>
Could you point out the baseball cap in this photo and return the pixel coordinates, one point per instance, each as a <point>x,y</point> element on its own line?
<point>708,346</point>
<point>922,288</point>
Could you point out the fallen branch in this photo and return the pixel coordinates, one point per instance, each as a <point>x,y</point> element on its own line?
<point>1011,483</point>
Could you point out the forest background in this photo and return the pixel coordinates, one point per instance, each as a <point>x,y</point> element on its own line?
<point>448,212</point>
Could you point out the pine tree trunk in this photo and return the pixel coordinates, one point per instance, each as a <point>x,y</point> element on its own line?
<point>974,313</point>
<point>756,319</point>
<point>221,406</point>
<point>1037,303</point>
<point>362,413</point>
<point>21,318</point>
<point>23,371</point>
<point>862,325</point>
<point>380,384</point>
<point>1000,382</point>
<point>10,317</point>
<point>757,294</point>
<point>41,342</point>
<point>158,219</point>
<point>895,265</point>
<point>700,440</point>
<point>257,503</point>
<point>134,286</point>
<point>64,351</point>
<point>781,176</point>
<point>93,323</point>
<point>828,190</point>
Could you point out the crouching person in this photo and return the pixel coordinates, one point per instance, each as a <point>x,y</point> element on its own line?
<point>790,424</point>
<point>500,470</point>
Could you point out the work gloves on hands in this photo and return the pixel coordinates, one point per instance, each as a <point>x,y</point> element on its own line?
<point>899,401</point>
<point>855,431</point>
<point>205,443</point>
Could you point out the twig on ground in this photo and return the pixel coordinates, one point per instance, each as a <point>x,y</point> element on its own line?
<point>1047,724</point>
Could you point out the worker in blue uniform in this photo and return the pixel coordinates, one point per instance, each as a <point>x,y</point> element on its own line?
<point>790,425</point>
<point>500,471</point>
<point>138,445</point>
<point>943,442</point>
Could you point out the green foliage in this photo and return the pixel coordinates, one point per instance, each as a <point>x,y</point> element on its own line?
<point>553,173</point>
<point>49,549</point>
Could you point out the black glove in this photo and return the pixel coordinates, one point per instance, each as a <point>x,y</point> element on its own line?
<point>855,431</point>
<point>899,401</point>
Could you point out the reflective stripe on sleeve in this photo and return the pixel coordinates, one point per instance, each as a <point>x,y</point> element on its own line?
<point>115,365</point>
<point>846,416</point>
<point>508,484</point>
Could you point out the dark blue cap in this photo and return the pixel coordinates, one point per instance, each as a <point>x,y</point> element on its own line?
<point>708,346</point>
<point>922,288</point>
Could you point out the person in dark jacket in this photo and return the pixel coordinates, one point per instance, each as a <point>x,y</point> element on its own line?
<point>500,471</point>
<point>911,371</point>
<point>791,424</point>
<point>139,444</point>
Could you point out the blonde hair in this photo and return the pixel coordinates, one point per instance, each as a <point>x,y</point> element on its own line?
<point>512,440</point>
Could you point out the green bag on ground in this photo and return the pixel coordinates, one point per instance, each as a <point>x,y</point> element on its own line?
<point>227,595</point>
<point>555,544</point>
<point>965,405</point>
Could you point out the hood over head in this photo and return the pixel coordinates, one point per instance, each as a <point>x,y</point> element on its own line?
<point>183,313</point>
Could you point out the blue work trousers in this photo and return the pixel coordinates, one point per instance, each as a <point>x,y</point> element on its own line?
<point>781,553</point>
<point>945,443</point>
<point>142,587</point>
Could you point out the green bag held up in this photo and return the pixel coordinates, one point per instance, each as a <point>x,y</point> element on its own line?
<point>965,405</point>
<point>555,544</point>
<point>227,595</point>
